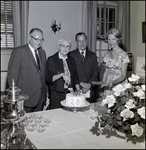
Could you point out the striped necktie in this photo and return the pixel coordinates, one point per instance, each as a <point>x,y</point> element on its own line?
<point>83,58</point>
<point>38,60</point>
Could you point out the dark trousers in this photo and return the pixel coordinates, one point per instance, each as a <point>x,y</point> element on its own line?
<point>56,98</point>
<point>38,107</point>
<point>92,98</point>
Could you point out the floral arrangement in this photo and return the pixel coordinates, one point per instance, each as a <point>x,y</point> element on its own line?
<point>122,111</point>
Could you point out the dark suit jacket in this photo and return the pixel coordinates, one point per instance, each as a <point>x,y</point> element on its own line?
<point>87,70</point>
<point>54,66</point>
<point>23,69</point>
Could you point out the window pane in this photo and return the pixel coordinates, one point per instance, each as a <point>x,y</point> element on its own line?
<point>111,25</point>
<point>111,15</point>
<point>7,40</point>
<point>98,12</point>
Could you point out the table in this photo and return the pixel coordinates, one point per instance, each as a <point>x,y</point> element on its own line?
<point>70,130</point>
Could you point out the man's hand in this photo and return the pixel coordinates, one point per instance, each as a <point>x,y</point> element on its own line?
<point>85,85</point>
<point>84,90</point>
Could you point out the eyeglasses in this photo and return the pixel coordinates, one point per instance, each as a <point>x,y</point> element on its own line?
<point>37,39</point>
<point>65,46</point>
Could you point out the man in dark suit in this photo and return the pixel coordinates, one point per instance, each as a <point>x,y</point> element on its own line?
<point>27,68</point>
<point>87,65</point>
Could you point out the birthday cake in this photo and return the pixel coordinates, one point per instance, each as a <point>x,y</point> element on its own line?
<point>74,100</point>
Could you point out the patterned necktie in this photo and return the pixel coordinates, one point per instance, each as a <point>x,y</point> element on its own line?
<point>38,60</point>
<point>66,70</point>
<point>83,58</point>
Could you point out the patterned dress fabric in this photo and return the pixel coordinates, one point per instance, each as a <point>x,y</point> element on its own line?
<point>66,70</point>
<point>115,65</point>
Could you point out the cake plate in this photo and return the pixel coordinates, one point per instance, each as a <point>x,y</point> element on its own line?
<point>75,108</point>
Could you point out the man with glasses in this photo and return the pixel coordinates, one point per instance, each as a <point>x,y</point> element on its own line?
<point>87,66</point>
<point>27,67</point>
<point>61,74</point>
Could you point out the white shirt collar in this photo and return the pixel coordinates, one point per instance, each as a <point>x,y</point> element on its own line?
<point>83,53</point>
<point>60,57</point>
<point>32,49</point>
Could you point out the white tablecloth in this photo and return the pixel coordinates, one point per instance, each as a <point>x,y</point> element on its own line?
<point>69,130</point>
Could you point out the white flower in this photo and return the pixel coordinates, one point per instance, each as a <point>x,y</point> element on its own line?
<point>143,87</point>
<point>133,78</point>
<point>93,114</point>
<point>104,101</point>
<point>130,104</point>
<point>140,93</point>
<point>118,90</point>
<point>110,99</point>
<point>136,130</point>
<point>127,86</point>
<point>141,112</point>
<point>126,114</point>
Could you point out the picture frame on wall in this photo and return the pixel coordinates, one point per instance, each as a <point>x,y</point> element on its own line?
<point>143,33</point>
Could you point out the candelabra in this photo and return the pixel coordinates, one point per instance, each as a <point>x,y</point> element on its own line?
<point>56,27</point>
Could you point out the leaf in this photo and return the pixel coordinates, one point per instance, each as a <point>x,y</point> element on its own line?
<point>110,121</point>
<point>120,123</point>
<point>118,117</point>
<point>115,122</point>
<point>126,127</point>
<point>107,127</point>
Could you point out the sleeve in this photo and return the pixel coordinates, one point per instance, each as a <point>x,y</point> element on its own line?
<point>75,74</point>
<point>49,71</point>
<point>94,76</point>
<point>14,66</point>
<point>125,58</point>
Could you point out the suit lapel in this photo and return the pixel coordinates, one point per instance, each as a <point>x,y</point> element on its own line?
<point>31,55</point>
<point>80,57</point>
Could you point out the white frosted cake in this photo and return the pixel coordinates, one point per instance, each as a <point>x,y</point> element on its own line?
<point>75,100</point>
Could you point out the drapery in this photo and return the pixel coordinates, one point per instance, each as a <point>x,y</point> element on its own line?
<point>20,22</point>
<point>89,21</point>
<point>123,23</point>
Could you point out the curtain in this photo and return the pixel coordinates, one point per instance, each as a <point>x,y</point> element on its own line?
<point>20,22</point>
<point>123,23</point>
<point>89,22</point>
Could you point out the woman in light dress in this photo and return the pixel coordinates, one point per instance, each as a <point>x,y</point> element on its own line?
<point>116,60</point>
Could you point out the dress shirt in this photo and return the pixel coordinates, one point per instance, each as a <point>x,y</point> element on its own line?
<point>83,53</point>
<point>33,52</point>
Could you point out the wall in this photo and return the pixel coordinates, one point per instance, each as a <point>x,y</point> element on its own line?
<point>42,13</point>
<point>137,16</point>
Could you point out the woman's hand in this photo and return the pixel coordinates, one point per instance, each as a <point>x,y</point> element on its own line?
<point>66,78</point>
<point>110,84</point>
<point>85,85</point>
<point>104,84</point>
<point>97,82</point>
<point>84,90</point>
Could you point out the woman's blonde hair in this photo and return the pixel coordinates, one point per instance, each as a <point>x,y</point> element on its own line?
<point>116,32</point>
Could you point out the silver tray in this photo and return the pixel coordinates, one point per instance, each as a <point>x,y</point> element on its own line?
<point>75,108</point>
